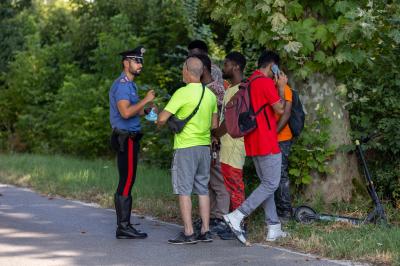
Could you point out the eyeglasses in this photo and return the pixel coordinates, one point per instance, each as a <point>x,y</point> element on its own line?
<point>137,60</point>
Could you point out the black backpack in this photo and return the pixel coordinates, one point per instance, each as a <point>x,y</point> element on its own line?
<point>297,115</point>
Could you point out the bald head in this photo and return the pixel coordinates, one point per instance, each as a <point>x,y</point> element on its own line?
<point>194,67</point>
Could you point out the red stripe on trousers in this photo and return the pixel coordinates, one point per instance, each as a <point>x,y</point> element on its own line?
<point>130,168</point>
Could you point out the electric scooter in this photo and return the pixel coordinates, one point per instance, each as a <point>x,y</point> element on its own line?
<point>306,215</point>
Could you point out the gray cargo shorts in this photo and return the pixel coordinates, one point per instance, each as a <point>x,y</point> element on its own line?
<point>190,170</point>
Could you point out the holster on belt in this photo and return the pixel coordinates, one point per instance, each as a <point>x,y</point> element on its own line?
<point>122,135</point>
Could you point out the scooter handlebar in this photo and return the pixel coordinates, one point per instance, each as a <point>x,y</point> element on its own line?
<point>370,136</point>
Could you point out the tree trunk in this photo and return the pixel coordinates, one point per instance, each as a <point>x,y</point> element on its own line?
<point>320,91</point>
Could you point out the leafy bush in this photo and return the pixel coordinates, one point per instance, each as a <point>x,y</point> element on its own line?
<point>309,153</point>
<point>54,97</point>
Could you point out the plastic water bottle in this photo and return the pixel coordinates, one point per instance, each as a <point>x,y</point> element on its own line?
<point>151,116</point>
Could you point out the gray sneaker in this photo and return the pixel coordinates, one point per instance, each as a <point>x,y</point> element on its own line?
<point>206,237</point>
<point>183,239</point>
<point>227,234</point>
<point>217,227</point>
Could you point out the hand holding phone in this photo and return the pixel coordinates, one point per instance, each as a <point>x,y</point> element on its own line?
<point>275,70</point>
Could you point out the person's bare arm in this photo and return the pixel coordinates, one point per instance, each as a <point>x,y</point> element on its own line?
<point>128,110</point>
<point>220,131</point>
<point>281,82</point>
<point>214,121</point>
<point>283,120</point>
<point>279,108</point>
<point>163,118</point>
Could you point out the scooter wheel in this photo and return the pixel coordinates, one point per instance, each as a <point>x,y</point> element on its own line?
<point>305,215</point>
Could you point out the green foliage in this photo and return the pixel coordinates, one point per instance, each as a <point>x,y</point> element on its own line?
<point>60,59</point>
<point>86,108</point>
<point>54,97</point>
<point>355,41</point>
<point>14,25</point>
<point>373,95</point>
<point>311,36</point>
<point>310,152</point>
<point>31,85</point>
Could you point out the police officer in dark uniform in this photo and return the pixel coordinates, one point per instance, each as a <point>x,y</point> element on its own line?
<point>125,109</point>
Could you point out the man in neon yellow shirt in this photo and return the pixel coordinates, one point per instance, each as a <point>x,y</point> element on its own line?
<point>191,163</point>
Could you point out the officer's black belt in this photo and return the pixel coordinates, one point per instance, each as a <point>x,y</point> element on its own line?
<point>122,135</point>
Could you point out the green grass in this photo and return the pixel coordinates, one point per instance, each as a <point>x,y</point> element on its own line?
<point>375,244</point>
<point>90,181</point>
<point>96,180</point>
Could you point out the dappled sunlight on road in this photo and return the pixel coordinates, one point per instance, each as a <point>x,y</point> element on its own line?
<point>32,234</point>
<point>40,230</point>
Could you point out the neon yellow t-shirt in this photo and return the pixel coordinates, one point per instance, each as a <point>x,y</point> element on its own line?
<point>232,150</point>
<point>197,131</point>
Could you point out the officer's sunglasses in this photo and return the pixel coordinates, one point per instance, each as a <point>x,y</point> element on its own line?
<point>137,60</point>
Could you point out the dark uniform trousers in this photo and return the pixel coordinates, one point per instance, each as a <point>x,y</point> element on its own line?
<point>126,144</point>
<point>127,147</point>
<point>282,194</point>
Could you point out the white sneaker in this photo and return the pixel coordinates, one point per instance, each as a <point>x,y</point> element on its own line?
<point>233,220</point>
<point>275,232</point>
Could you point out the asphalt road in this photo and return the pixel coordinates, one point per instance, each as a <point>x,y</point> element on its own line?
<point>37,230</point>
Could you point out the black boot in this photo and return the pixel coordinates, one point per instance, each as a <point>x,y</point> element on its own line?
<point>125,230</point>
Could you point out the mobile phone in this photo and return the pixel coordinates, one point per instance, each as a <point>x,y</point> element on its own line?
<point>275,69</point>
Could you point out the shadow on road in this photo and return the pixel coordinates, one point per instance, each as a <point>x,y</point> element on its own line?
<point>36,230</point>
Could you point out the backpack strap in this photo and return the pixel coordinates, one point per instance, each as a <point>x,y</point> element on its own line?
<point>256,77</point>
<point>248,91</point>
<point>262,106</point>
